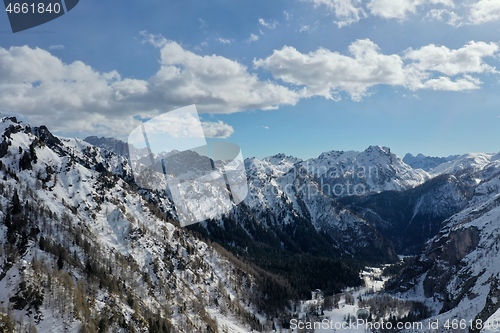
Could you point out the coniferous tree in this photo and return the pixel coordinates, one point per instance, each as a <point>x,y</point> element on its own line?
<point>25,161</point>
<point>16,204</point>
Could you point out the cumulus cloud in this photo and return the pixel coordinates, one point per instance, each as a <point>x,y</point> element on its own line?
<point>484,11</point>
<point>214,83</point>
<point>72,97</point>
<point>402,8</point>
<point>183,123</point>
<point>445,15</point>
<point>467,82</point>
<point>393,9</point>
<point>327,73</point>
<point>217,129</point>
<point>467,59</point>
<point>36,83</point>
<point>455,13</point>
<point>346,11</point>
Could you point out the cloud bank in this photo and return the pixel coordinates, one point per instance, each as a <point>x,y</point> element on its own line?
<point>73,97</point>
<point>327,73</point>
<point>453,12</point>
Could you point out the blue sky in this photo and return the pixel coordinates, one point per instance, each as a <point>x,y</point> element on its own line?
<point>298,76</point>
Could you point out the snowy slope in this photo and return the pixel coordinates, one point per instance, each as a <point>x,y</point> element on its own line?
<point>472,164</point>
<point>282,193</point>
<point>81,249</point>
<point>459,271</point>
<point>457,275</point>
<point>374,170</point>
<point>426,163</point>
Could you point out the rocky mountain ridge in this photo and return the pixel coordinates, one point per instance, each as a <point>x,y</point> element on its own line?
<point>82,249</point>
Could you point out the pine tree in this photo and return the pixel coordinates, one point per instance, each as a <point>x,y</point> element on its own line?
<point>16,204</point>
<point>25,161</point>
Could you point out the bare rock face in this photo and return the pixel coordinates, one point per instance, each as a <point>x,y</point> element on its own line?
<point>116,146</point>
<point>445,254</point>
<point>455,246</point>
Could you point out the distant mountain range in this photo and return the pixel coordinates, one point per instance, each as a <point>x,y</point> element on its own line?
<point>443,208</point>
<point>370,204</point>
<point>426,163</point>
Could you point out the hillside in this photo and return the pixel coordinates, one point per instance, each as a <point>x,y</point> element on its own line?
<point>84,250</point>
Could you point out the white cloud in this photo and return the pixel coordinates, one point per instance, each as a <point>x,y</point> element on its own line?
<point>455,13</point>
<point>445,15</point>
<point>484,11</point>
<point>467,59</point>
<point>183,123</point>
<point>217,129</point>
<point>446,83</point>
<point>72,97</point>
<point>215,83</point>
<point>345,11</point>
<point>470,12</point>
<point>155,40</point>
<point>326,73</point>
<point>271,24</point>
<point>390,9</point>
<point>201,46</point>
<point>35,83</point>
<point>253,38</point>
<point>224,41</point>
<point>401,9</point>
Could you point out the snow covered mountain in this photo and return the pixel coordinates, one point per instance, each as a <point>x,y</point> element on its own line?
<point>472,166</point>
<point>426,163</point>
<point>369,205</point>
<point>458,272</point>
<point>285,189</point>
<point>359,173</point>
<point>82,249</point>
<point>409,218</point>
<point>451,211</point>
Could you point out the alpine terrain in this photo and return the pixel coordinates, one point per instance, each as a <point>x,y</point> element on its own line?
<point>85,247</point>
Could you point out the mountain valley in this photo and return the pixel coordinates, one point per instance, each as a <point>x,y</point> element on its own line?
<point>85,248</point>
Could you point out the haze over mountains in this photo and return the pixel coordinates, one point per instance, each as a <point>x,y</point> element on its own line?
<point>426,163</point>
<point>85,249</point>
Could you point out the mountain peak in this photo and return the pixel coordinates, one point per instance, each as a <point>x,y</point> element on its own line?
<point>114,145</point>
<point>11,119</point>
<point>46,136</point>
<point>282,158</point>
<point>378,150</point>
